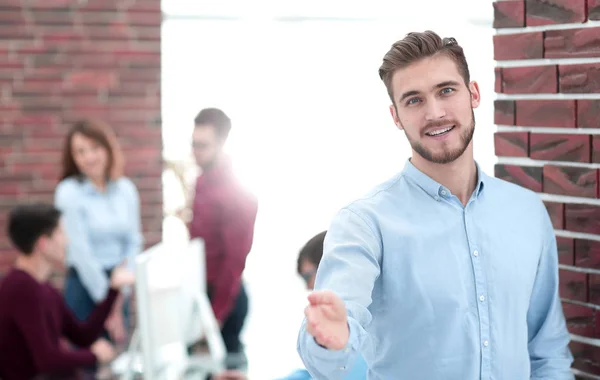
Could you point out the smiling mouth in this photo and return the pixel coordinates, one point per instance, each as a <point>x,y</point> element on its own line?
<point>440,132</point>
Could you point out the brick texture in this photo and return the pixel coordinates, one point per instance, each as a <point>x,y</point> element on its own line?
<point>544,12</point>
<point>527,176</point>
<point>593,9</point>
<point>504,112</point>
<point>498,80</point>
<point>519,46</point>
<point>573,181</point>
<point>580,319</point>
<point>530,80</point>
<point>557,214</point>
<point>577,79</point>
<point>546,113</point>
<point>509,14</point>
<point>64,60</point>
<point>572,43</point>
<point>587,253</point>
<point>560,147</point>
<point>588,113</point>
<point>566,250</point>
<point>512,144</point>
<point>561,159</point>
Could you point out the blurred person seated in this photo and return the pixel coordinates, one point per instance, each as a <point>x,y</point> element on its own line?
<point>34,318</point>
<point>308,261</point>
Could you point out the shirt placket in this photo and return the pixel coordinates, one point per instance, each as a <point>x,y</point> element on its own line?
<point>481,292</point>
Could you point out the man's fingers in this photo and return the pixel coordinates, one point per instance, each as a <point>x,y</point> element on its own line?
<point>311,317</point>
<point>316,331</point>
<point>316,325</point>
<point>322,297</point>
<point>313,321</point>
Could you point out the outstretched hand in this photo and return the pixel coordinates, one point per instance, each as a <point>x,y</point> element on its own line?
<point>327,320</point>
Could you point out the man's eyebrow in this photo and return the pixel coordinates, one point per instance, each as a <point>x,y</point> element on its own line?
<point>439,85</point>
<point>408,93</point>
<point>448,83</point>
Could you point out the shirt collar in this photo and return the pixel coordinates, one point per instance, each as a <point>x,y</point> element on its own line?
<point>90,188</point>
<point>434,188</point>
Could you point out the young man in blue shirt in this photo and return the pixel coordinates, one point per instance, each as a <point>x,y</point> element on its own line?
<point>442,272</point>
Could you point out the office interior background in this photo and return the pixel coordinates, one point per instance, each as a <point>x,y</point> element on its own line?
<point>311,126</point>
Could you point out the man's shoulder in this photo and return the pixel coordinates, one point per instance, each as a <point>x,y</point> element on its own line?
<point>507,198</point>
<point>377,199</point>
<point>375,204</point>
<point>17,286</point>
<point>501,189</point>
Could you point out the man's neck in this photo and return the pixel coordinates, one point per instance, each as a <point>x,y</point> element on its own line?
<point>459,176</point>
<point>35,266</point>
<point>216,162</point>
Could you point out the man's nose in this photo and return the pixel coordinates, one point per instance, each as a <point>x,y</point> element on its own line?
<point>435,110</point>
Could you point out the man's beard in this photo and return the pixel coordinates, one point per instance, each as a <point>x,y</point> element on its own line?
<point>448,155</point>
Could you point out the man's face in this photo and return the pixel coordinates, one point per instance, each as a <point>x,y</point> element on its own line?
<point>434,107</point>
<point>54,246</point>
<point>308,272</point>
<point>206,145</point>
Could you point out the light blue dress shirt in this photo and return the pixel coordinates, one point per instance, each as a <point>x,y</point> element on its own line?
<point>438,291</point>
<point>103,229</point>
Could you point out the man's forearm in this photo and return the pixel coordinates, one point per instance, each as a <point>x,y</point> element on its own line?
<point>117,308</point>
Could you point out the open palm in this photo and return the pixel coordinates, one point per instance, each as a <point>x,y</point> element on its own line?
<point>326,319</point>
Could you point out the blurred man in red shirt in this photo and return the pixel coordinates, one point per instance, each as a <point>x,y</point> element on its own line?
<point>223,214</point>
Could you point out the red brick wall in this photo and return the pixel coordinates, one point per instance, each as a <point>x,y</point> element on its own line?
<point>548,140</point>
<point>65,59</point>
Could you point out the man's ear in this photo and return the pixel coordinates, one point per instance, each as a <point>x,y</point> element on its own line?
<point>394,113</point>
<point>475,94</point>
<point>41,244</point>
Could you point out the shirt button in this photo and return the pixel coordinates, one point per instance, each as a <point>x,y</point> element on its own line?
<point>342,368</point>
<point>475,253</point>
<point>481,298</point>
<point>486,343</point>
<point>443,192</point>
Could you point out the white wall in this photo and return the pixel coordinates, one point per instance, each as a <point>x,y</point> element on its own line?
<point>311,127</point>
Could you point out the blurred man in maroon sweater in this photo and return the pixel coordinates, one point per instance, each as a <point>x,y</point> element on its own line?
<point>223,214</point>
<point>33,314</point>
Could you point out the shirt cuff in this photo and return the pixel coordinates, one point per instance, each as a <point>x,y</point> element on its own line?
<point>342,356</point>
